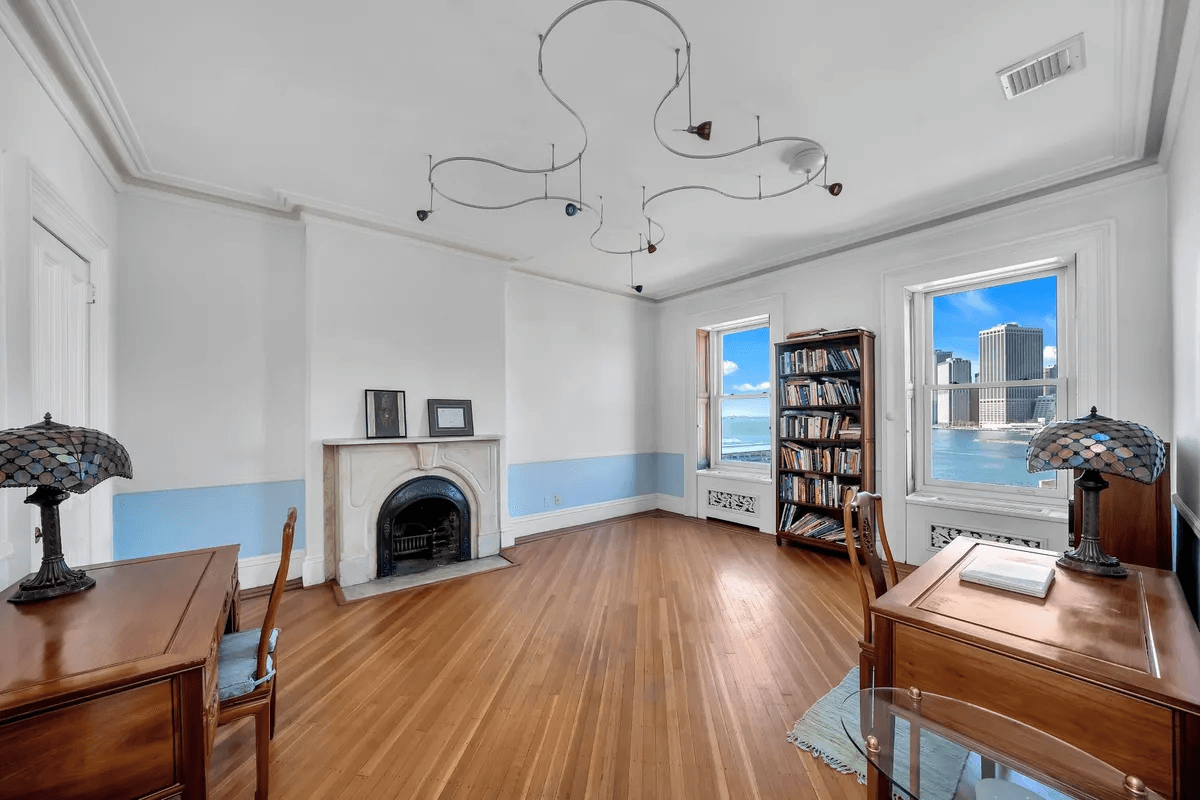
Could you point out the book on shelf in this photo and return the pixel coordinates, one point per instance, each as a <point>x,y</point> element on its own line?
<point>829,492</point>
<point>812,525</point>
<point>845,460</point>
<point>805,334</point>
<point>818,425</point>
<point>819,359</point>
<point>820,392</point>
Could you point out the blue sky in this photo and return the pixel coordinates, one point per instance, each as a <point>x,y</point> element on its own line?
<point>958,318</point>
<point>747,370</point>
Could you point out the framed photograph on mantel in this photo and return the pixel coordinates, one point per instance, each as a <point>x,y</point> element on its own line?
<point>385,414</point>
<point>450,418</point>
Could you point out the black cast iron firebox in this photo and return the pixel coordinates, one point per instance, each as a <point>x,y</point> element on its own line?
<point>425,523</point>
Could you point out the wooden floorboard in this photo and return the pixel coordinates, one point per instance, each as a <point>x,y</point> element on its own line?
<point>651,657</point>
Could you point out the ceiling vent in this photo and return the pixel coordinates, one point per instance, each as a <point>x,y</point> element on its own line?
<point>1049,65</point>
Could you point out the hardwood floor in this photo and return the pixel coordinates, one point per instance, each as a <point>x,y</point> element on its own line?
<point>658,657</point>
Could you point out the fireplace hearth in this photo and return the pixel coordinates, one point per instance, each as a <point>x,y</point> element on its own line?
<point>425,523</point>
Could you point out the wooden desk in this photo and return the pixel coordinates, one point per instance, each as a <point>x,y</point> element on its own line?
<point>1109,665</point>
<point>112,692</point>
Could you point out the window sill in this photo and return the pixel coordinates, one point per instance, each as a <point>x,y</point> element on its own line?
<point>735,475</point>
<point>1042,509</point>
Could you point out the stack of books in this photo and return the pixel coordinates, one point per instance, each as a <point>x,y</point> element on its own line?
<point>812,525</point>
<point>1012,573</point>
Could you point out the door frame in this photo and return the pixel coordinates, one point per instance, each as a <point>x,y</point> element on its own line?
<point>51,209</point>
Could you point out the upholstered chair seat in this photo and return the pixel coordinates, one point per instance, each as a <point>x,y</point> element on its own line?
<point>238,661</point>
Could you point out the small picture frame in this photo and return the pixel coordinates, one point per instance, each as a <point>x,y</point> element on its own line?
<point>385,414</point>
<point>450,418</point>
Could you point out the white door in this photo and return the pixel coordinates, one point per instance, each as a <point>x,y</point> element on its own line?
<point>59,328</point>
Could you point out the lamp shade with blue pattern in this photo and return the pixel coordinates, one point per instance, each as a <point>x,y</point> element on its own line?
<point>1096,445</point>
<point>56,460</point>
<point>1100,443</point>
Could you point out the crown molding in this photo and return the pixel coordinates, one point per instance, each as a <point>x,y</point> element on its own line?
<point>1185,64</point>
<point>1140,23</point>
<point>27,47</point>
<point>1127,174</point>
<point>303,205</point>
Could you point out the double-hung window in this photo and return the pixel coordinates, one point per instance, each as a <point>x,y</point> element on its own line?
<point>990,359</point>
<point>740,371</point>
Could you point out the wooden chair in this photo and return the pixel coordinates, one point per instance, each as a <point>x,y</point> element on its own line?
<point>246,671</point>
<point>868,571</point>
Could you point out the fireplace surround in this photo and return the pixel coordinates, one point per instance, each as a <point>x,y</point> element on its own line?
<point>425,523</point>
<point>364,478</point>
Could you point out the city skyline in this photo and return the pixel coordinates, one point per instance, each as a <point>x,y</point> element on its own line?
<point>959,317</point>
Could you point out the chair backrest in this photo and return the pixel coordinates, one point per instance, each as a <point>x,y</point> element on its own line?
<point>285,556</point>
<point>865,562</point>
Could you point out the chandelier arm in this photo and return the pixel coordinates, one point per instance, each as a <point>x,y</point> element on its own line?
<point>536,198</point>
<point>661,231</point>
<point>715,190</point>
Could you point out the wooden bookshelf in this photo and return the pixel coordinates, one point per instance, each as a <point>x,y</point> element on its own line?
<point>813,379</point>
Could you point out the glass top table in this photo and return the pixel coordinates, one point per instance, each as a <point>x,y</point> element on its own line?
<point>926,745</point>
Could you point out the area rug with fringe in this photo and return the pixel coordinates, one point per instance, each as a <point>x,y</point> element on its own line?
<point>820,732</point>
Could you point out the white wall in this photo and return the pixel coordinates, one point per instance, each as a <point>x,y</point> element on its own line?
<point>210,345</point>
<point>580,372</point>
<point>846,290</point>
<point>389,313</point>
<point>1184,193</point>
<point>33,136</point>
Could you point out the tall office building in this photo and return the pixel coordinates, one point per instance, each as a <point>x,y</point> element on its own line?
<point>953,407</point>
<point>941,355</point>
<point>1009,352</point>
<point>1049,373</point>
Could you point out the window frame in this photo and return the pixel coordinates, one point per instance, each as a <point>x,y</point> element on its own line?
<point>924,378</point>
<point>716,396</point>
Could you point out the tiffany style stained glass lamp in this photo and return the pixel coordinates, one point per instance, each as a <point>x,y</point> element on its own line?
<point>57,460</point>
<point>1096,444</point>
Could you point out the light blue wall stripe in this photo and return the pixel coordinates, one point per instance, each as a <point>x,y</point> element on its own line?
<point>670,474</point>
<point>252,515</point>
<point>584,481</point>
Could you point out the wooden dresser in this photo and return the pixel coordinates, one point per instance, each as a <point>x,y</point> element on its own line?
<point>112,692</point>
<point>1110,665</point>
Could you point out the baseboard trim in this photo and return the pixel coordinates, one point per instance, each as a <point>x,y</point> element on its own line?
<point>534,537</point>
<point>313,570</point>
<point>260,570</point>
<point>263,591</point>
<point>673,504</point>
<point>522,527</point>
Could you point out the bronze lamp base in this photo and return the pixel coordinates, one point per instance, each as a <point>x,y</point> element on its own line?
<point>1089,556</point>
<point>55,578</point>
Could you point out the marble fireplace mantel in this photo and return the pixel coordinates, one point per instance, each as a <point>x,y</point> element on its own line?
<point>360,474</point>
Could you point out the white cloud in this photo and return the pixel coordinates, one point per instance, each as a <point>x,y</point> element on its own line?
<point>750,388</point>
<point>730,367</point>
<point>974,300</point>
<point>1050,355</point>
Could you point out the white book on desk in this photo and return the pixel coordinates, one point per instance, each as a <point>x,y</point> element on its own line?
<point>1011,574</point>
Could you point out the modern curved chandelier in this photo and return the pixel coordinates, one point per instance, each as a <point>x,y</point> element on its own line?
<point>808,160</point>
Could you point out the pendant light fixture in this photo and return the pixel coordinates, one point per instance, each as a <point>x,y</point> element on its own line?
<point>809,162</point>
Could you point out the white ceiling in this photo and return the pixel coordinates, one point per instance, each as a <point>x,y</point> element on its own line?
<point>340,102</point>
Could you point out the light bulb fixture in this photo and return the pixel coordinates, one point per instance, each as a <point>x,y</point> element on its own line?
<point>424,213</point>
<point>703,130</point>
<point>810,161</point>
<point>834,189</point>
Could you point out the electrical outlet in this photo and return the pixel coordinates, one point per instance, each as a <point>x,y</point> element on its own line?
<point>557,500</point>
